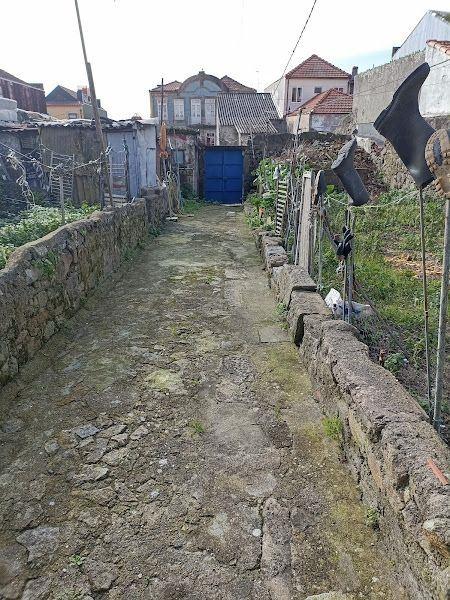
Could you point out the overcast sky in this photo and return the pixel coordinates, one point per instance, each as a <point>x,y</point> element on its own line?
<point>131,44</point>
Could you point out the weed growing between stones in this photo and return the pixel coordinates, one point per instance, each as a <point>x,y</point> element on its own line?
<point>197,427</point>
<point>281,312</point>
<point>372,518</point>
<point>47,265</point>
<point>77,560</point>
<point>333,428</point>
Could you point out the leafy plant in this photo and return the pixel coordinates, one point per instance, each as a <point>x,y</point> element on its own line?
<point>394,362</point>
<point>47,265</point>
<point>77,560</point>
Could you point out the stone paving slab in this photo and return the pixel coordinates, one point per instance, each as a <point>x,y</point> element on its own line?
<point>156,448</point>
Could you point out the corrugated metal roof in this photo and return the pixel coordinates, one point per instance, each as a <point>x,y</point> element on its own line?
<point>316,67</point>
<point>249,113</point>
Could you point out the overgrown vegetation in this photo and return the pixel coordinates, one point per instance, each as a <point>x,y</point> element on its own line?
<point>388,273</point>
<point>262,201</point>
<point>34,224</point>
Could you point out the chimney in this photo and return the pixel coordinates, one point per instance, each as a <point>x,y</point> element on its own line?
<point>351,83</point>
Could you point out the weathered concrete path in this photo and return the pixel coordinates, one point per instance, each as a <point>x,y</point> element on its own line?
<point>167,444</point>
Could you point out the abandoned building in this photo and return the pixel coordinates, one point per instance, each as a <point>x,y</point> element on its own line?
<point>192,103</point>
<point>311,77</point>
<point>323,112</point>
<point>27,96</point>
<point>64,103</point>
<point>241,116</point>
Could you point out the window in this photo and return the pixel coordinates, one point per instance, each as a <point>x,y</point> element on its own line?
<point>178,157</point>
<point>317,90</point>
<point>296,94</point>
<point>196,110</point>
<point>340,89</point>
<point>210,138</point>
<point>72,116</point>
<point>164,110</point>
<point>210,111</point>
<point>178,109</point>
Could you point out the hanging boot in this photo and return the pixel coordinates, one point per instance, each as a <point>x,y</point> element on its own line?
<point>320,187</point>
<point>344,168</point>
<point>344,247</point>
<point>402,124</point>
<point>437,155</point>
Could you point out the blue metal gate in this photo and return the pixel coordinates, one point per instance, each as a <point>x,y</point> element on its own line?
<point>223,176</point>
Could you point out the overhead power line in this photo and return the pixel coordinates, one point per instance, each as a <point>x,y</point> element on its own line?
<point>296,44</point>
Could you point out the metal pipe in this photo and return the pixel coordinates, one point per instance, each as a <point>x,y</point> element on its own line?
<point>425,301</point>
<point>440,367</point>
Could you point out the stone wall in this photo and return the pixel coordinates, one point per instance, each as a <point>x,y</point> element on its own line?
<point>374,90</point>
<point>393,172</point>
<point>393,452</point>
<point>45,281</point>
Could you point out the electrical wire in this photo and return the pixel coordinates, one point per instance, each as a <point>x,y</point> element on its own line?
<point>296,45</point>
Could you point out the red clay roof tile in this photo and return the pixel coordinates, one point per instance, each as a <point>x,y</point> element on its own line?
<point>316,67</point>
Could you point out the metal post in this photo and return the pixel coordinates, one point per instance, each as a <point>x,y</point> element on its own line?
<point>61,199</point>
<point>440,368</point>
<point>98,125</point>
<point>425,301</point>
<point>162,102</point>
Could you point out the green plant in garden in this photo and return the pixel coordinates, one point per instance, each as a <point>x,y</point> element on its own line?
<point>394,362</point>
<point>387,267</point>
<point>35,223</point>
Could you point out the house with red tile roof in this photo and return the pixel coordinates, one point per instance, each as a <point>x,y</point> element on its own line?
<point>311,77</point>
<point>193,102</point>
<point>323,112</point>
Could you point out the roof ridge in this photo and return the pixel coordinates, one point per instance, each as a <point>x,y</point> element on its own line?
<point>316,57</point>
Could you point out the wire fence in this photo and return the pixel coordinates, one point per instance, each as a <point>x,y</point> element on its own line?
<point>382,299</point>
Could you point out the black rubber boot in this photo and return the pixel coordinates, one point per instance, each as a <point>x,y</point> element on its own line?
<point>402,124</point>
<point>344,168</point>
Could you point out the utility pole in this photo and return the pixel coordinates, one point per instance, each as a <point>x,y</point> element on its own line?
<point>98,125</point>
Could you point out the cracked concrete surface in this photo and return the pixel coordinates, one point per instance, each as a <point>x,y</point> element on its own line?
<point>167,444</point>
